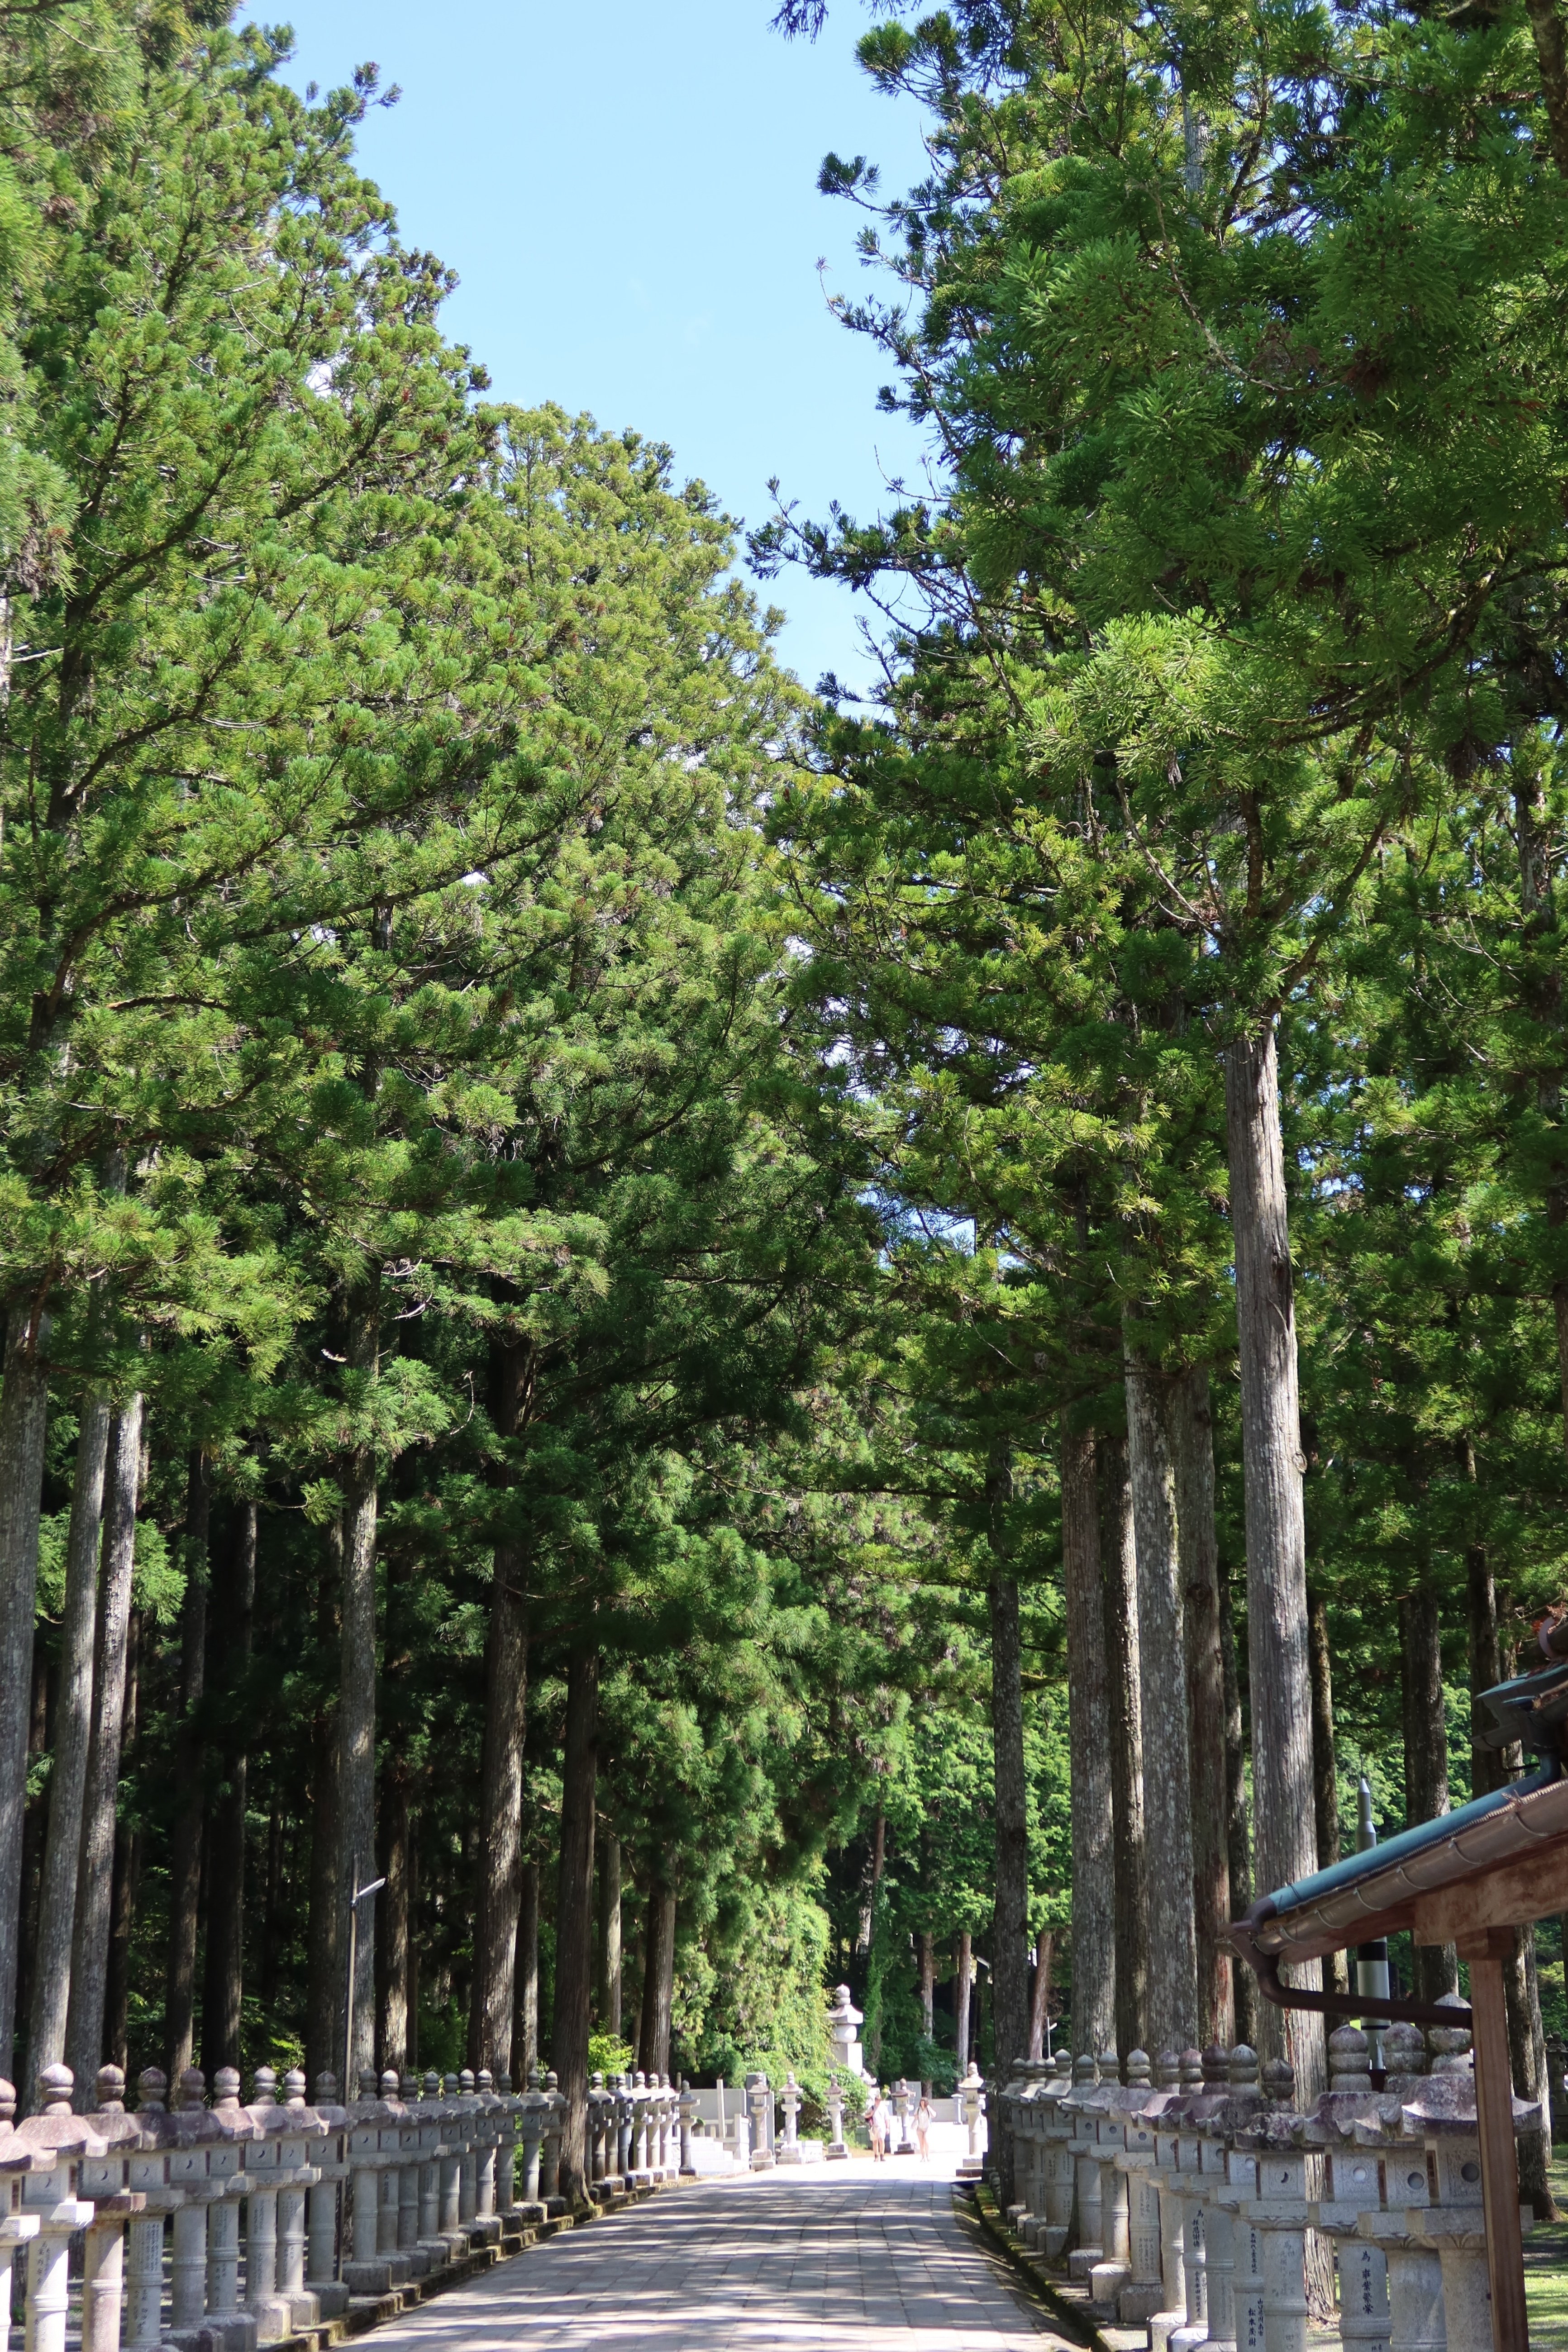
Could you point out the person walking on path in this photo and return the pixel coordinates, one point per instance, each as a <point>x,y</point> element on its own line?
<point>877,2124</point>
<point>923,2127</point>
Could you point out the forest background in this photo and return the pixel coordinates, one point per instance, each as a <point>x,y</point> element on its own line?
<point>741,1344</point>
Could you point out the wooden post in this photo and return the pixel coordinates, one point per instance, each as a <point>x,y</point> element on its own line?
<point>1486,1950</point>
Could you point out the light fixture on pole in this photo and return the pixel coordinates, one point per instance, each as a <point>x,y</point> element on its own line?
<point>358,1895</point>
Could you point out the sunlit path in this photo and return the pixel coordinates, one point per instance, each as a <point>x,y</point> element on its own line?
<point>849,2258</point>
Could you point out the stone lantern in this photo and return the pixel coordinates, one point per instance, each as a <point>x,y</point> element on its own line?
<point>843,2023</point>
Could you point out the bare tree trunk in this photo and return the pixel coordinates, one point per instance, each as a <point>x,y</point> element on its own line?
<point>73,1733</point>
<point>1090,1742</point>
<point>1526,2056</point>
<point>506,1714</point>
<point>1491,1767</point>
<point>324,1989</point>
<point>33,1824</point>
<point>275,1924</point>
<point>1238,1840</point>
<point>925,1948</point>
<point>357,1697</point>
<point>574,1917</point>
<point>1118,1580</point>
<point>392,1949</point>
<point>356,1747</point>
<point>414,1939</point>
<point>1325,1769</point>
<point>95,1885</point>
<point>1488,1765</point>
<point>127,1872</point>
<point>609,2002</point>
<point>1010,1927</point>
<point>1543,993</point>
<point>1040,1994</point>
<point>1192,1451</point>
<point>1436,1968</point>
<point>873,1878</point>
<point>1172,2003</point>
<point>24,1414</point>
<point>658,1981</point>
<point>223,1982</point>
<point>185,1845</point>
<point>525,2017</point>
<point>963,1977</point>
<point>1273,1467</point>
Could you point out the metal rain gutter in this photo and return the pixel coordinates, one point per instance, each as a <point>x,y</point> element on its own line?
<point>1335,1907</point>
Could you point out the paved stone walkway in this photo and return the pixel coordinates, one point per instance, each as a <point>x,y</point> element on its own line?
<point>854,2259</point>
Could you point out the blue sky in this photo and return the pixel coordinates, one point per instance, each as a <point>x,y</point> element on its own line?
<point>628,195</point>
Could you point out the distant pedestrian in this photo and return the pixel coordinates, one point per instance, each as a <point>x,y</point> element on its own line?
<point>923,2128</point>
<point>877,2125</point>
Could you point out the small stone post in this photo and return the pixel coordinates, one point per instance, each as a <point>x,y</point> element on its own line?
<point>146,2170</point>
<point>106,2179</point>
<point>550,2165</point>
<point>790,2152</point>
<point>762,2144</point>
<point>57,2141</point>
<point>971,2091</point>
<point>836,2151</point>
<point>301,2133</point>
<point>332,2170</point>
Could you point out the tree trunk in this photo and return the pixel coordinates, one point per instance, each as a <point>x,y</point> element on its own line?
<point>356,1749</point>
<point>324,1989</point>
<point>525,2015</point>
<point>1491,1769</point>
<point>501,1786</point>
<point>1543,993</point>
<point>873,1879</point>
<point>1192,1450</point>
<point>574,1917</point>
<point>73,1733</point>
<point>1436,1967</point>
<point>414,1939</point>
<point>1010,1928</point>
<point>391,1946</point>
<point>925,1948</point>
<point>1238,1840</point>
<point>275,1921</point>
<point>95,1883</point>
<point>1325,1769</point>
<point>33,1827</point>
<point>1040,1994</point>
<point>1527,2055</point>
<point>186,1845</point>
<point>1089,1743</point>
<point>609,2003</point>
<point>127,1872</point>
<point>1278,1675</point>
<point>223,1982</point>
<point>1171,2014</point>
<point>1119,1600</point>
<point>658,1981</point>
<point>1488,1765</point>
<point>963,1977</point>
<point>23,1414</point>
<point>356,1697</point>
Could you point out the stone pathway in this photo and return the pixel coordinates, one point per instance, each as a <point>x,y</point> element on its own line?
<point>847,2259</point>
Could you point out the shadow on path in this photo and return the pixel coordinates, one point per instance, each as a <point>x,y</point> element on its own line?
<point>849,2261</point>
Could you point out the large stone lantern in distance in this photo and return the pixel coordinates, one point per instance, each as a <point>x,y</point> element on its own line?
<point>843,2023</point>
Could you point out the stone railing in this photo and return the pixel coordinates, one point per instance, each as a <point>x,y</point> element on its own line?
<point>1181,2198</point>
<point>223,2226</point>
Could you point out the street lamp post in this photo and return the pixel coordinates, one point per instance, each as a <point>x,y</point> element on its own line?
<point>360,1894</point>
